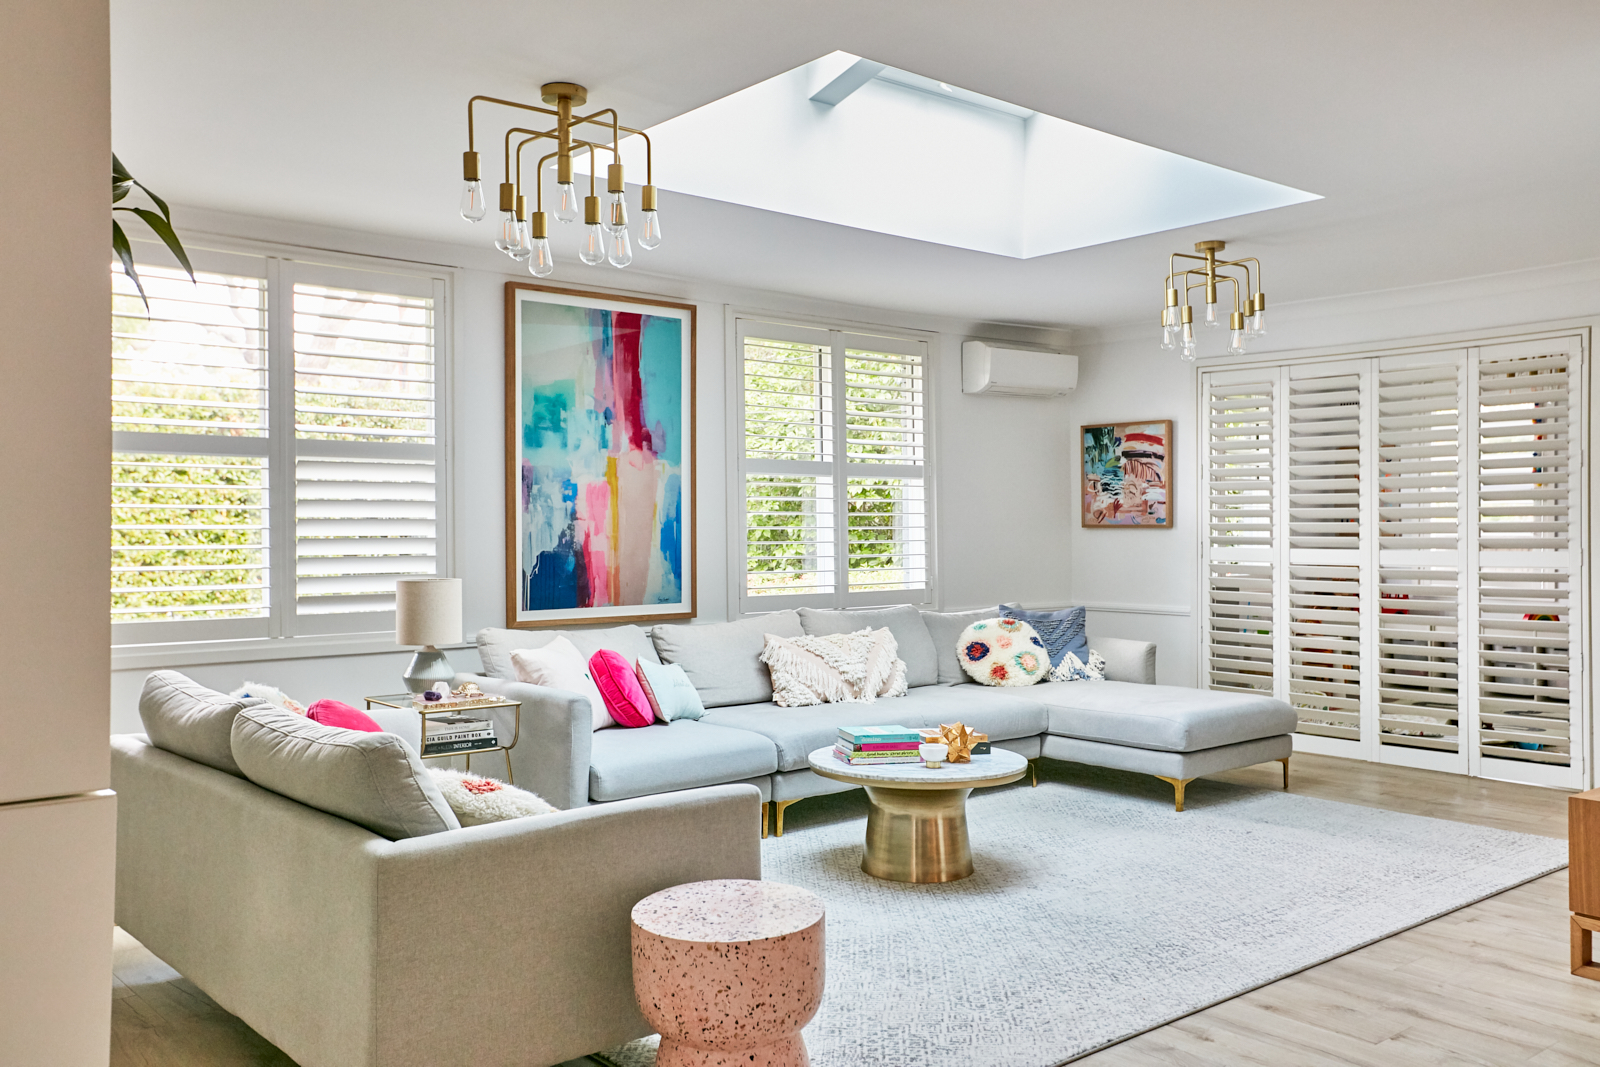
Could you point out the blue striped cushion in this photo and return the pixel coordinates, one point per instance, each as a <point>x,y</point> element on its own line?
<point>1062,631</point>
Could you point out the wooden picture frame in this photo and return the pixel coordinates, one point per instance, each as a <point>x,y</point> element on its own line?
<point>1126,483</point>
<point>601,521</point>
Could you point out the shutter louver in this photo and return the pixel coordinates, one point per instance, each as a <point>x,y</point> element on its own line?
<point>1325,649</point>
<point>1419,457</point>
<point>1524,695</point>
<point>1325,462</point>
<point>886,518</point>
<point>1525,454</point>
<point>1239,465</point>
<point>1240,627</point>
<point>1419,657</point>
<point>359,525</point>
<point>788,534</point>
<point>1240,589</point>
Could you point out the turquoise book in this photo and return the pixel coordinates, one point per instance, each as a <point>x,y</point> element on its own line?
<point>878,734</point>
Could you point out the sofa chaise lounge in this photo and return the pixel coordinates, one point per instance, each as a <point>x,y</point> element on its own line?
<point>1126,722</point>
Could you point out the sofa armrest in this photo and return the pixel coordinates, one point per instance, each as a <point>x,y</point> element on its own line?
<point>543,905</point>
<point>1127,661</point>
<point>552,753</point>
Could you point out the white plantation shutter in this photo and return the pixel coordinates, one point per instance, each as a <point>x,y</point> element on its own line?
<point>1415,599</point>
<point>833,468</point>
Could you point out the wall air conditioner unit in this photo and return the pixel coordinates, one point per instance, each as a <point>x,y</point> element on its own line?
<point>992,371</point>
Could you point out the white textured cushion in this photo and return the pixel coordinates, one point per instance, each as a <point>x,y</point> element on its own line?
<point>373,779</point>
<point>1003,652</point>
<point>852,668</point>
<point>559,665</point>
<point>723,659</point>
<point>184,717</point>
<point>476,799</point>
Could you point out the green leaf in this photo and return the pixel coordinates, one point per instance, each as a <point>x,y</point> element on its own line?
<point>160,203</point>
<point>119,244</point>
<point>121,180</point>
<point>163,229</point>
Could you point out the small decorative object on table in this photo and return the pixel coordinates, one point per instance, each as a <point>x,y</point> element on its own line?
<point>962,741</point>
<point>447,732</point>
<point>933,754</point>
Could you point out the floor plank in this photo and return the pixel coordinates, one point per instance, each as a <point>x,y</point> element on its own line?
<point>1485,985</point>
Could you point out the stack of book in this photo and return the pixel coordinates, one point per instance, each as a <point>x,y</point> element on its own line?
<point>860,745</point>
<point>457,733</point>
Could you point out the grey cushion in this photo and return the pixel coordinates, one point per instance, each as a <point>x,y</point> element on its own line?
<point>799,731</point>
<point>904,621</point>
<point>664,756</point>
<point>723,659</point>
<point>184,717</point>
<point>1166,717</point>
<point>374,780</point>
<point>945,627</point>
<point>496,644</point>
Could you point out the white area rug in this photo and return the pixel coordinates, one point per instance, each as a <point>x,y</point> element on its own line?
<point>1097,912</point>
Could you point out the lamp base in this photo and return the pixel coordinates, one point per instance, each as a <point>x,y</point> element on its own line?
<point>428,665</point>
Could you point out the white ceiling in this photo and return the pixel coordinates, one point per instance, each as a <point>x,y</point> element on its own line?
<point>1450,138</point>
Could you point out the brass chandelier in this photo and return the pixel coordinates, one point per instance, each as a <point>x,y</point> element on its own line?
<point>1249,316</point>
<point>525,236</point>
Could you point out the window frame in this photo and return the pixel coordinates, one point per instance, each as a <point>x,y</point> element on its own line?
<point>841,336</point>
<point>280,268</point>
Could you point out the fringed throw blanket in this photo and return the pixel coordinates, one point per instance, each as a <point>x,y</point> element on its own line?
<point>834,668</point>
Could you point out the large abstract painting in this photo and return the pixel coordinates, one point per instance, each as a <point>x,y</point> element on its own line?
<point>600,457</point>
<point>1127,474</point>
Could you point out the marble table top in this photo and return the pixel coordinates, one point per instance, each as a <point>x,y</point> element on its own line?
<point>998,767</point>
<point>727,909</point>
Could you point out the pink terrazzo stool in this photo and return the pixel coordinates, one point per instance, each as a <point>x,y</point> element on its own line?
<point>729,971</point>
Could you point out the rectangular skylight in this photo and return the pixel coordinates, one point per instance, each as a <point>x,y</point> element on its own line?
<point>856,143</point>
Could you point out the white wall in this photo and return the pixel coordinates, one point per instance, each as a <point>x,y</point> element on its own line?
<point>1004,483</point>
<point>1125,375</point>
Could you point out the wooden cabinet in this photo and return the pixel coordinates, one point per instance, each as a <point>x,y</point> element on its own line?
<point>1583,846</point>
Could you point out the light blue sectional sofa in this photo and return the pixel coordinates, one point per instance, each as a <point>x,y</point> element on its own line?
<point>1127,721</point>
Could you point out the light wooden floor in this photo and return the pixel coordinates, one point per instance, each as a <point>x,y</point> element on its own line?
<point>1488,984</point>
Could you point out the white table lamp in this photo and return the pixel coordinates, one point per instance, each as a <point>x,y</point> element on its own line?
<point>427,612</point>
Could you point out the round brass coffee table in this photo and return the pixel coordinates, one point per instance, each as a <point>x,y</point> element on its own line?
<point>917,822</point>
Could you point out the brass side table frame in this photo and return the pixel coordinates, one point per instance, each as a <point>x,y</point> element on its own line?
<point>403,702</point>
<point>917,826</point>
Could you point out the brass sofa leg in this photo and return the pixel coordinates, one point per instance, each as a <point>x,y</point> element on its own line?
<point>764,806</point>
<point>1285,762</point>
<point>1178,785</point>
<point>1033,769</point>
<point>778,808</point>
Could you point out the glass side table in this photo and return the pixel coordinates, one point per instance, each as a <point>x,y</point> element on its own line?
<point>403,701</point>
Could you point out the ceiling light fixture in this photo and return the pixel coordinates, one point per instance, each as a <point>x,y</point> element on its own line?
<point>526,238</point>
<point>1249,317</point>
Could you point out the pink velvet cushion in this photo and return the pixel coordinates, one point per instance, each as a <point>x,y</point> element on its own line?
<point>625,700</point>
<point>337,713</point>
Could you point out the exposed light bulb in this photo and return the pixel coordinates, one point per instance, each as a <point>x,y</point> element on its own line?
<point>1236,341</point>
<point>540,261</point>
<point>524,247</point>
<point>1188,340</point>
<point>473,206</point>
<point>616,212</point>
<point>620,252</point>
<point>1187,354</point>
<point>593,250</point>
<point>510,235</point>
<point>1211,314</point>
<point>567,202</point>
<point>1168,340</point>
<point>1258,321</point>
<point>650,232</point>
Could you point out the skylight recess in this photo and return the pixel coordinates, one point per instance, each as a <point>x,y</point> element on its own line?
<point>849,141</point>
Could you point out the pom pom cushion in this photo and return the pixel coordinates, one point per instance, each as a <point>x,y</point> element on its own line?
<point>1004,652</point>
<point>1061,631</point>
<point>337,713</point>
<point>671,694</point>
<point>834,668</point>
<point>559,665</point>
<point>271,694</point>
<point>476,799</point>
<point>619,688</point>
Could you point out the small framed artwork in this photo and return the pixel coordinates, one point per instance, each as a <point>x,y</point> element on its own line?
<point>1127,474</point>
<point>600,479</point>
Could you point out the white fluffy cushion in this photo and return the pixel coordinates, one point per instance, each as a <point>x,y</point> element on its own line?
<point>1003,652</point>
<point>1073,669</point>
<point>852,668</point>
<point>559,665</point>
<point>476,799</point>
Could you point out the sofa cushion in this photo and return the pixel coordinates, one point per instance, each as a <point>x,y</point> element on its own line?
<point>184,717</point>
<point>904,621</point>
<point>559,665</point>
<point>373,780</point>
<point>797,732</point>
<point>1062,630</point>
<point>669,691</point>
<point>674,755</point>
<point>944,628</point>
<point>619,687</point>
<point>338,713</point>
<point>495,645</point>
<point>723,659</point>
<point>1166,717</point>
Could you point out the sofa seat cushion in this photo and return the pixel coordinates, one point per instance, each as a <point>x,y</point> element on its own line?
<point>797,732</point>
<point>674,755</point>
<point>1168,718</point>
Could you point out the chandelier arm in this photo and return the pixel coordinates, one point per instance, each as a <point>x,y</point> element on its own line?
<point>649,162</point>
<point>1260,281</point>
<point>538,192</point>
<point>534,135</point>
<point>471,145</point>
<point>1245,263</point>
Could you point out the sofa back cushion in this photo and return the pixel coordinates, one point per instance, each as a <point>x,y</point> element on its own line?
<point>944,627</point>
<point>904,621</point>
<point>495,645</point>
<point>185,718</point>
<point>723,659</point>
<point>374,780</point>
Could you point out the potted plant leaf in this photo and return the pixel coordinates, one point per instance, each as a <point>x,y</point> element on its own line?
<point>122,183</point>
